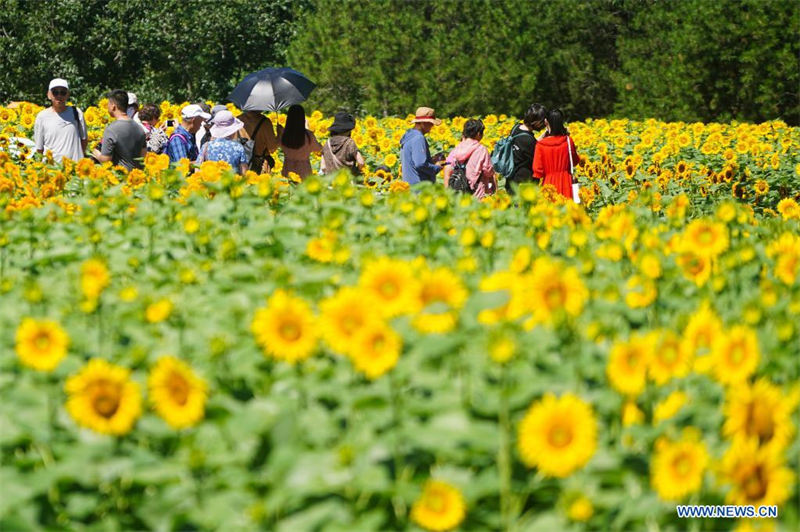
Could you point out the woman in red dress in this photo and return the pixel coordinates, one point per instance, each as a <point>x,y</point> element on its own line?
<point>551,160</point>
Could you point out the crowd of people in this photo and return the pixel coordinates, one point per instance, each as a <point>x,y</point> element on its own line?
<point>247,142</point>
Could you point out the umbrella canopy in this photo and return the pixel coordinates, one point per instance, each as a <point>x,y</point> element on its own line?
<point>271,89</point>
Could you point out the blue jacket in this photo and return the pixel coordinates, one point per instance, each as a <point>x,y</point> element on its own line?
<point>416,158</point>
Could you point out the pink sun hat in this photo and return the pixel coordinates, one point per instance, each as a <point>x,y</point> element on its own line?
<point>225,124</point>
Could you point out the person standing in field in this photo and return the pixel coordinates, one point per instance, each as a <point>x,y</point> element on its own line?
<point>475,157</point>
<point>551,160</point>
<point>524,145</point>
<point>261,132</point>
<point>224,144</point>
<point>340,151</point>
<point>297,143</point>
<point>60,129</point>
<point>154,136</point>
<point>124,140</point>
<point>181,143</point>
<point>415,155</point>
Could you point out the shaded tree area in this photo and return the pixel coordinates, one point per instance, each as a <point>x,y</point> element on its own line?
<point>675,60</point>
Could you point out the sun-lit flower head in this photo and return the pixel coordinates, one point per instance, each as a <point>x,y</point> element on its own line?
<point>393,284</point>
<point>735,355</point>
<point>441,296</point>
<point>760,411</point>
<point>286,328</point>
<point>344,314</point>
<point>375,349</point>
<point>95,277</point>
<point>41,344</point>
<point>755,475</point>
<point>440,507</point>
<point>558,435</point>
<point>677,467</point>
<point>627,365</point>
<point>102,397</point>
<point>177,393</point>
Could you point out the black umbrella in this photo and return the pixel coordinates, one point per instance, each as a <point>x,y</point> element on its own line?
<point>271,89</point>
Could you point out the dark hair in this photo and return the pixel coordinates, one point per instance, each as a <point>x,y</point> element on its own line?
<point>472,129</point>
<point>556,120</point>
<point>536,113</point>
<point>119,98</point>
<point>149,112</point>
<point>294,134</point>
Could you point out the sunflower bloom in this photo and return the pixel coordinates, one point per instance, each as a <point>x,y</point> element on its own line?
<point>554,291</point>
<point>376,349</point>
<point>440,507</point>
<point>343,315</point>
<point>558,435</point>
<point>41,344</point>
<point>761,411</point>
<point>102,397</point>
<point>441,296</point>
<point>677,467</point>
<point>177,394</point>
<point>670,358</point>
<point>735,355</point>
<point>94,278</point>
<point>285,329</point>
<point>757,475</point>
<point>393,284</point>
<point>627,365</point>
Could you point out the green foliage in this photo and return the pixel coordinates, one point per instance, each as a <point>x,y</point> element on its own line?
<point>683,60</point>
<point>170,49</point>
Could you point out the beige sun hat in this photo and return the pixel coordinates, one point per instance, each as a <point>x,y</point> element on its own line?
<point>426,114</point>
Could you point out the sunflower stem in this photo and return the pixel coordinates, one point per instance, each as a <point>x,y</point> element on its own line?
<point>503,453</point>
<point>394,398</point>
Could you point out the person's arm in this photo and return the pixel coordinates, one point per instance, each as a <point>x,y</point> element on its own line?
<point>419,158</point>
<point>84,134</point>
<point>271,141</point>
<point>448,169</point>
<point>316,147</point>
<point>360,160</point>
<point>538,163</point>
<point>109,142</point>
<point>38,134</point>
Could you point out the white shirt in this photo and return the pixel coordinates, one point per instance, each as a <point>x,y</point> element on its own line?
<point>59,133</point>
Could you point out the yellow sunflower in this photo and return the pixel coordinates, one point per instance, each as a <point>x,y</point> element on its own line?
<point>735,355</point>
<point>696,267</point>
<point>677,467</point>
<point>41,344</point>
<point>285,329</point>
<point>580,509</point>
<point>631,414</point>
<point>393,285</point>
<point>343,315</point>
<point>701,331</point>
<point>441,296</point>
<point>177,394</point>
<point>789,209</point>
<point>670,359</point>
<point>158,311</point>
<point>627,365</point>
<point>558,435</point>
<point>762,411</point>
<point>94,278</point>
<point>554,290</point>
<point>376,349</point>
<point>706,237</point>
<point>103,398</point>
<point>669,407</point>
<point>440,507</point>
<point>757,475</point>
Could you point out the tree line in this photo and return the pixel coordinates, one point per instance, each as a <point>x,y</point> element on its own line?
<point>684,60</point>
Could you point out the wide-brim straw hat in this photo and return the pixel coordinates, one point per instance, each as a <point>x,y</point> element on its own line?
<point>426,114</point>
<point>225,124</point>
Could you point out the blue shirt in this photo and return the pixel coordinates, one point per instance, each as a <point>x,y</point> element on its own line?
<point>181,145</point>
<point>415,156</point>
<point>230,151</point>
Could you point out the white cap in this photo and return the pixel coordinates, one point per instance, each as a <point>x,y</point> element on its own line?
<point>58,82</point>
<point>194,110</point>
<point>132,99</point>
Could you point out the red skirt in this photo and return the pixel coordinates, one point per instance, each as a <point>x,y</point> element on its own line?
<point>562,182</point>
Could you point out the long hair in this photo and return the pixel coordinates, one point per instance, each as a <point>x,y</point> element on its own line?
<point>294,134</point>
<point>556,120</point>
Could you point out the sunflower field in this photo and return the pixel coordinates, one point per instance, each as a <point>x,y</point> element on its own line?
<point>197,350</point>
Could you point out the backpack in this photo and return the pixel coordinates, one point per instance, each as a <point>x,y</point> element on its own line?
<point>503,155</point>
<point>458,179</point>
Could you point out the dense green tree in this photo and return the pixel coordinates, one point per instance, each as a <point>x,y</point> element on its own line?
<point>708,60</point>
<point>176,49</point>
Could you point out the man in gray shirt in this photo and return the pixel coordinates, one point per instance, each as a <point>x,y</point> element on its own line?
<point>60,129</point>
<point>124,141</point>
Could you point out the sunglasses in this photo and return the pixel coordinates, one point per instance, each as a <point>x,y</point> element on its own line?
<point>59,92</point>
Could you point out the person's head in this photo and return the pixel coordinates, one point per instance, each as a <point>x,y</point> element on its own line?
<point>225,125</point>
<point>133,105</point>
<point>424,119</point>
<point>150,113</point>
<point>473,129</point>
<point>58,92</point>
<point>555,123</point>
<point>534,117</point>
<point>192,117</point>
<point>343,124</point>
<point>117,103</point>
<point>294,134</point>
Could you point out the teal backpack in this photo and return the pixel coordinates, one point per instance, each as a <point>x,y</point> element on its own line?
<point>503,155</point>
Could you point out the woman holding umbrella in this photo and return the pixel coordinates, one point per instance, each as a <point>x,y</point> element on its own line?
<point>297,143</point>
